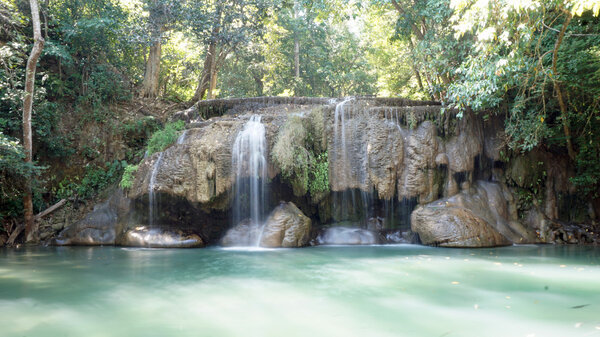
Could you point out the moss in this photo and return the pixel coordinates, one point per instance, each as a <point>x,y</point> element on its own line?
<point>300,154</point>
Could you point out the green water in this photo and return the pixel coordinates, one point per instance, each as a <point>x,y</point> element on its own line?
<point>324,291</point>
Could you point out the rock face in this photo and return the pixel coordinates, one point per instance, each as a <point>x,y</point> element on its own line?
<point>476,218</point>
<point>286,227</point>
<point>347,236</point>
<point>199,170</point>
<point>381,157</point>
<point>98,227</point>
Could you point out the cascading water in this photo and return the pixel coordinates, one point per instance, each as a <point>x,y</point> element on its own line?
<point>249,162</point>
<point>344,157</point>
<point>181,138</point>
<point>151,196</point>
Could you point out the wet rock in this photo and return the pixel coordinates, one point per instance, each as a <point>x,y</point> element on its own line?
<point>158,238</point>
<point>441,159</point>
<point>407,237</point>
<point>245,234</point>
<point>286,227</point>
<point>198,170</point>
<point>385,152</point>
<point>454,227</point>
<point>98,227</point>
<point>347,236</point>
<point>375,224</point>
<point>417,178</point>
<point>479,217</point>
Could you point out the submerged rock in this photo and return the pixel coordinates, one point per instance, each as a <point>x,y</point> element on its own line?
<point>286,227</point>
<point>158,238</point>
<point>347,236</point>
<point>476,218</point>
<point>398,236</point>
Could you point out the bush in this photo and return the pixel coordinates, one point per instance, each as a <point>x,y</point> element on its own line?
<point>94,181</point>
<point>161,139</point>
<point>128,176</point>
<point>14,172</point>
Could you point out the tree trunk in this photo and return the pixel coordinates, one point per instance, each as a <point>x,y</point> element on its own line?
<point>210,58</point>
<point>213,80</point>
<point>296,45</point>
<point>559,96</point>
<point>204,83</point>
<point>151,75</point>
<point>296,57</point>
<point>31,229</point>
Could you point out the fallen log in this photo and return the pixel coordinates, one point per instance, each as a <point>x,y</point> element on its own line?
<point>50,209</point>
<point>15,233</point>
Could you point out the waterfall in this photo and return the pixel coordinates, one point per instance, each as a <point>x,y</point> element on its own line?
<point>249,162</point>
<point>181,138</point>
<point>151,197</point>
<point>348,167</point>
<point>340,170</point>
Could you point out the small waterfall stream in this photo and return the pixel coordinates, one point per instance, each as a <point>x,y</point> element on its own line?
<point>347,166</point>
<point>249,162</point>
<point>181,138</point>
<point>151,196</point>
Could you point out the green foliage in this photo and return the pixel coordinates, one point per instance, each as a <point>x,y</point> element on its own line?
<point>161,139</point>
<point>299,153</point>
<point>331,59</point>
<point>128,176</point>
<point>95,179</point>
<point>319,174</point>
<point>14,173</point>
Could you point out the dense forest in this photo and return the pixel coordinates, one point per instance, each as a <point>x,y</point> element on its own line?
<point>106,62</point>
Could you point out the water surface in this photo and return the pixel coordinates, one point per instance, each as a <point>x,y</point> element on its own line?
<point>324,291</point>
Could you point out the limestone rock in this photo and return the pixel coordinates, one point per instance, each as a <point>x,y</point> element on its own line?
<point>98,227</point>
<point>476,218</point>
<point>385,152</point>
<point>417,179</point>
<point>286,227</point>
<point>157,238</point>
<point>454,227</point>
<point>347,236</point>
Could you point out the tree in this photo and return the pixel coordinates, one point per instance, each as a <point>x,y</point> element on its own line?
<point>222,27</point>
<point>31,229</point>
<point>162,14</point>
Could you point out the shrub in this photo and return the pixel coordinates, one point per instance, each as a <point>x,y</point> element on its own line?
<point>128,176</point>
<point>161,139</point>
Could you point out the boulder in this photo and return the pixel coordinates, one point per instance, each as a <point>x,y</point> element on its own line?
<point>454,227</point>
<point>479,217</point>
<point>98,227</point>
<point>347,236</point>
<point>286,227</point>
<point>158,238</point>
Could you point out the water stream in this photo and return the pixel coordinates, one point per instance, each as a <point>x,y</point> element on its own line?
<point>412,291</point>
<point>151,196</point>
<point>249,162</point>
<point>181,138</point>
<point>350,162</point>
